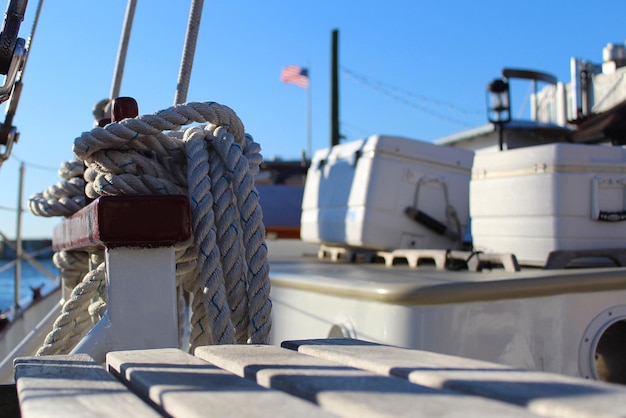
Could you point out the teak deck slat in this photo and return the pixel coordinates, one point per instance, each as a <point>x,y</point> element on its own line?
<point>182,385</point>
<point>545,394</point>
<point>73,386</point>
<point>347,391</point>
<point>308,378</point>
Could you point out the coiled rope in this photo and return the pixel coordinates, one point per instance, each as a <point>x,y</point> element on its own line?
<point>63,199</point>
<point>222,270</point>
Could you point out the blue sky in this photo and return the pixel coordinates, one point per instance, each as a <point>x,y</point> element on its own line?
<point>439,56</point>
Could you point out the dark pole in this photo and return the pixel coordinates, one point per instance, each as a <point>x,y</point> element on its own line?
<point>334,91</point>
<point>500,136</point>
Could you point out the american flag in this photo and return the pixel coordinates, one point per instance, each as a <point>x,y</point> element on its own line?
<point>295,74</point>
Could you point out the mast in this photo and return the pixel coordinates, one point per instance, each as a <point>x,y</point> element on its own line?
<point>334,91</point>
<point>18,240</point>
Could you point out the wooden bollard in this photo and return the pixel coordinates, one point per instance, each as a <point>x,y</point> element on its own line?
<point>124,108</point>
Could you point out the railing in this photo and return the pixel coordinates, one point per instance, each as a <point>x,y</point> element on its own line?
<point>138,234</point>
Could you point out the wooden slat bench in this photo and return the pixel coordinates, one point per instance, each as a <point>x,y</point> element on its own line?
<point>347,391</point>
<point>73,386</point>
<point>334,377</point>
<point>545,394</point>
<point>182,385</point>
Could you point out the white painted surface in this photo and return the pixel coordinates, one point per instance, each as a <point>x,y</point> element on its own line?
<point>27,333</point>
<point>535,200</point>
<point>356,193</point>
<point>141,303</point>
<point>543,333</point>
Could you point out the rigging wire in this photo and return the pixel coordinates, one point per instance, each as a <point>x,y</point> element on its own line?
<point>189,50</point>
<point>407,98</point>
<point>29,165</point>
<point>31,36</point>
<point>352,127</point>
<point>399,91</point>
<point>8,209</point>
<point>8,133</point>
<point>33,165</point>
<point>522,108</point>
<point>123,48</point>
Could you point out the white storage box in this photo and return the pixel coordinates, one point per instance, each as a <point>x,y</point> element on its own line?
<point>531,201</point>
<point>356,194</point>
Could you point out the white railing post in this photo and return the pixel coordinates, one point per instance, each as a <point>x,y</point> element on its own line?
<point>141,303</point>
<point>139,234</point>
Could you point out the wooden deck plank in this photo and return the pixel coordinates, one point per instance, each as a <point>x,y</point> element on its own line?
<point>182,385</point>
<point>347,391</point>
<point>73,386</point>
<point>542,393</point>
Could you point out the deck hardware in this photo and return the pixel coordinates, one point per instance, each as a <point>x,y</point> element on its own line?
<point>499,106</point>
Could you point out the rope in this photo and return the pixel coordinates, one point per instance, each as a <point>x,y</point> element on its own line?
<point>189,49</point>
<point>203,223</point>
<point>74,321</point>
<point>250,217</point>
<point>73,266</point>
<point>63,198</point>
<point>222,271</point>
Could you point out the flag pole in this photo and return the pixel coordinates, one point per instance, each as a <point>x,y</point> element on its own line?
<point>308,116</point>
<point>299,75</point>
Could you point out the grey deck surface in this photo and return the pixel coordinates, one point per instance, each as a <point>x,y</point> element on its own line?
<point>309,378</point>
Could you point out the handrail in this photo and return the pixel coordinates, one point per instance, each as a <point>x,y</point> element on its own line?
<point>114,221</point>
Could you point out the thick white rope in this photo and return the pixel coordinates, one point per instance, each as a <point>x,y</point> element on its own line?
<point>224,271</point>
<point>63,198</point>
<point>236,168</point>
<point>203,224</point>
<point>220,185</point>
<point>73,266</point>
<point>145,133</point>
<point>72,324</point>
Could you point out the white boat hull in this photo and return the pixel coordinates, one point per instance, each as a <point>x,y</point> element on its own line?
<point>526,319</point>
<point>544,333</point>
<point>26,334</point>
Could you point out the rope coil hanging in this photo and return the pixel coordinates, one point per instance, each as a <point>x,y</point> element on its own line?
<point>223,269</point>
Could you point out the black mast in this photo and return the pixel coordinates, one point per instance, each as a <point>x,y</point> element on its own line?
<point>334,91</point>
